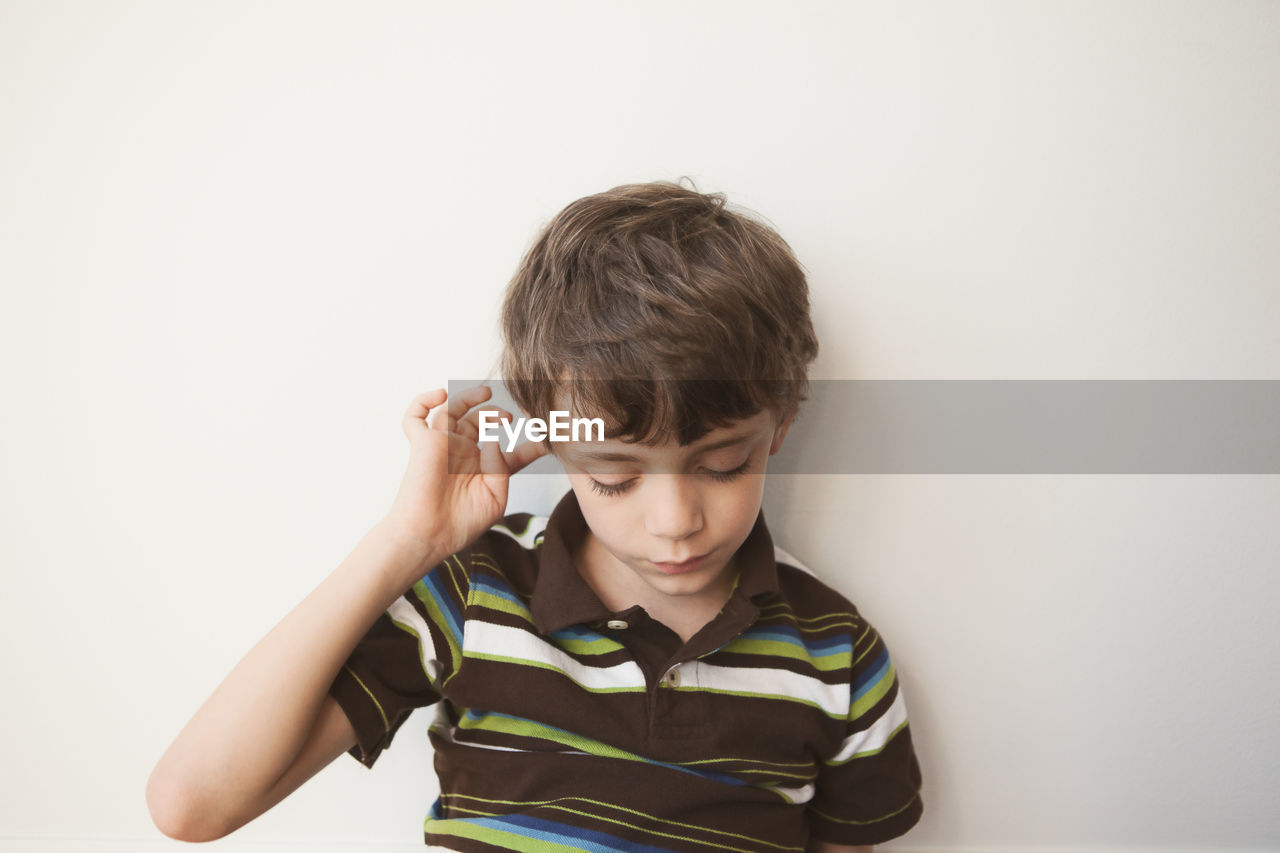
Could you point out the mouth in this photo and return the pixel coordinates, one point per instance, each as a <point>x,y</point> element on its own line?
<point>682,568</point>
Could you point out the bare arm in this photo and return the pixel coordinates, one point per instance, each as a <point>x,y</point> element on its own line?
<point>271,725</point>
<point>232,760</point>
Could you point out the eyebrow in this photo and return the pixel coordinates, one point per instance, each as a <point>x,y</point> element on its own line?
<point>604,456</point>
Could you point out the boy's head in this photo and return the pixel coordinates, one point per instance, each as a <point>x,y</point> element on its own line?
<point>660,310</point>
<point>685,326</point>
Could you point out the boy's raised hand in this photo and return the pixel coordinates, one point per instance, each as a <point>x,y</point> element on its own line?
<point>454,488</point>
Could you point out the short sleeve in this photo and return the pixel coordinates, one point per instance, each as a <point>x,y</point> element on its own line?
<point>405,660</point>
<point>868,791</point>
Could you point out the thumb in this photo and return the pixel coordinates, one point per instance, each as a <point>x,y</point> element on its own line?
<point>492,463</point>
<point>525,453</point>
<point>494,474</point>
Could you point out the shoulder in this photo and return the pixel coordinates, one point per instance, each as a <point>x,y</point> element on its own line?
<point>831,623</point>
<point>807,594</point>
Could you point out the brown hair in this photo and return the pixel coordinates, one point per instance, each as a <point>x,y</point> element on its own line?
<point>637,304</point>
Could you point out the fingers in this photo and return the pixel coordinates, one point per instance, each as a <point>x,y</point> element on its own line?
<point>462,417</point>
<point>415,416</point>
<point>524,453</point>
<point>469,426</point>
<point>421,406</point>
<point>513,460</point>
<point>494,457</point>
<point>460,404</point>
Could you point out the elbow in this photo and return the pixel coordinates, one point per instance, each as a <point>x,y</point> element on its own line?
<point>178,816</point>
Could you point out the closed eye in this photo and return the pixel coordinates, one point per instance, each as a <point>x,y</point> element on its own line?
<point>612,489</point>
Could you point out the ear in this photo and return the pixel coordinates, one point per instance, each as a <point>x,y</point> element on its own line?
<point>780,433</point>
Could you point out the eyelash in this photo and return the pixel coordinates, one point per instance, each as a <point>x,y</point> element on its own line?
<point>609,490</point>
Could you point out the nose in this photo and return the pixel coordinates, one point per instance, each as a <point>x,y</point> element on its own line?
<point>674,508</point>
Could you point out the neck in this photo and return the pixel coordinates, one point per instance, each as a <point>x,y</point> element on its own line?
<point>619,588</point>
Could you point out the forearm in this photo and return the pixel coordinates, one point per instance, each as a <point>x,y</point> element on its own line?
<point>252,727</point>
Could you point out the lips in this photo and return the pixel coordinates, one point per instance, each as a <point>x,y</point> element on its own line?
<point>681,568</point>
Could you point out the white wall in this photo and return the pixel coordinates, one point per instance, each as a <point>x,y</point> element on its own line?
<point>236,238</point>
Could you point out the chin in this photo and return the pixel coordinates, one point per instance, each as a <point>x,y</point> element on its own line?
<point>690,584</point>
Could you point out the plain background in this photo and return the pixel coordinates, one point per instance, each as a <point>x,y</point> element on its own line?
<point>237,238</point>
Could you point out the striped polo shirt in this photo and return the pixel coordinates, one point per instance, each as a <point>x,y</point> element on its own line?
<point>563,726</point>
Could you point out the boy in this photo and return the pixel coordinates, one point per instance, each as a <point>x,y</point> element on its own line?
<point>642,669</point>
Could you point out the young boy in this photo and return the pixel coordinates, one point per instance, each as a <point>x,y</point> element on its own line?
<point>642,669</point>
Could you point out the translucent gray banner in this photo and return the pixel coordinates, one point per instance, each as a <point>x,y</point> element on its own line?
<point>1021,427</point>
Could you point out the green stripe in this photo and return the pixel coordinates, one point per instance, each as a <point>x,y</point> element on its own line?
<point>869,647</point>
<point>381,713</point>
<point>785,611</point>
<point>536,731</point>
<point>875,694</point>
<point>503,605</point>
<point>485,562</point>
<point>496,837</point>
<point>800,777</point>
<point>599,646</point>
<point>782,649</point>
<point>750,761</point>
<point>555,804</point>
<point>865,822</point>
<point>437,616</point>
<point>453,578</point>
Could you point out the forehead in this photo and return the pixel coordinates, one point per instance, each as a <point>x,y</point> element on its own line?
<point>739,433</point>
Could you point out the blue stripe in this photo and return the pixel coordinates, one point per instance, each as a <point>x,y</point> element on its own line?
<point>435,585</point>
<point>563,833</point>
<point>576,632</point>
<point>813,648</point>
<point>494,587</point>
<point>871,676</point>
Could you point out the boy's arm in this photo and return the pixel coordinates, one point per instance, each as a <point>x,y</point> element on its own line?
<point>271,725</point>
<point>869,790</point>
<point>243,751</point>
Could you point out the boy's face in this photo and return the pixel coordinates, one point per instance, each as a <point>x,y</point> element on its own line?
<point>668,518</point>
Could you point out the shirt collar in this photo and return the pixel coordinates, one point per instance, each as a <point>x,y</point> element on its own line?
<point>562,598</point>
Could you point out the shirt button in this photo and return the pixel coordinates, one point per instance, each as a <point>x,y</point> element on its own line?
<point>673,677</point>
<point>617,624</point>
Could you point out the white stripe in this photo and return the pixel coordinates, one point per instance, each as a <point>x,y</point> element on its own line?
<point>781,556</point>
<point>404,613</point>
<point>877,735</point>
<point>775,683</point>
<point>484,638</point>
<point>794,795</point>
<point>537,524</point>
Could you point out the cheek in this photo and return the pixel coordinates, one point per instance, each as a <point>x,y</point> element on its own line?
<point>738,507</point>
<point>601,512</point>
